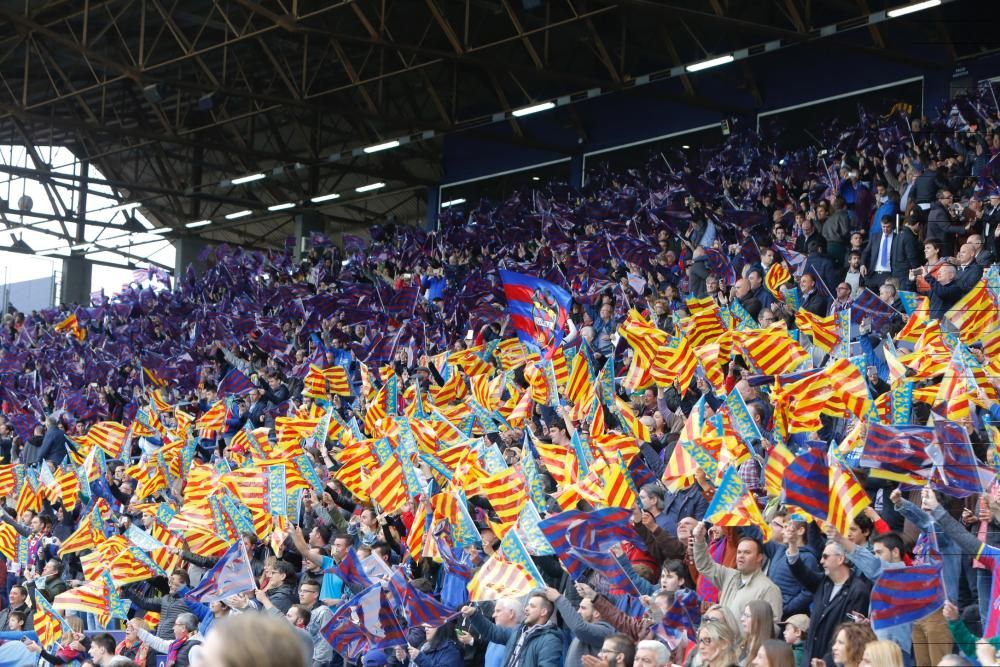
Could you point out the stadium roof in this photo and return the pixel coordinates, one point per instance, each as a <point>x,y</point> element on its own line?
<point>202,110</point>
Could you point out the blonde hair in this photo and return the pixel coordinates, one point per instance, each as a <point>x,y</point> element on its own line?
<point>275,643</point>
<point>884,653</point>
<point>720,632</point>
<point>731,621</point>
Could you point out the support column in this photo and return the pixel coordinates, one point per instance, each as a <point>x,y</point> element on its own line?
<point>76,278</point>
<point>306,224</point>
<point>433,201</point>
<point>188,250</point>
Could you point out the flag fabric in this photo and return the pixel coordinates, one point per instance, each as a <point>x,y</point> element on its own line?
<point>847,498</point>
<point>897,452</point>
<point>498,578</point>
<point>538,310</point>
<point>350,570</point>
<point>49,625</point>
<point>975,314</point>
<point>230,576</point>
<point>807,483</point>
<point>234,383</point>
<point>684,613</point>
<point>372,616</point>
<point>423,609</point>
<point>907,594</point>
<point>777,277</point>
<point>867,304</point>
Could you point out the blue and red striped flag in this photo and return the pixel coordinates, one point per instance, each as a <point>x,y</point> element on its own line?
<point>896,452</point>
<point>719,264</point>
<point>868,304</point>
<point>796,260</point>
<point>591,530</point>
<point>905,595</point>
<point>234,383</point>
<point>605,564</point>
<point>956,462</point>
<point>422,609</point>
<point>364,623</point>
<point>538,310</point>
<point>684,613</point>
<point>230,576</point>
<point>349,569</point>
<point>807,483</point>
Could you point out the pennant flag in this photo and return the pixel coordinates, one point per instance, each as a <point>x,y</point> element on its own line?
<point>904,595</point>
<point>230,576</point>
<point>538,310</point>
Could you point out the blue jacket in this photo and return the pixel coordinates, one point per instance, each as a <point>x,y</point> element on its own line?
<point>542,648</point>
<point>795,598</point>
<point>445,654</point>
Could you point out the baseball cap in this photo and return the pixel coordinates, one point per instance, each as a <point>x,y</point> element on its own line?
<point>376,658</point>
<point>800,621</point>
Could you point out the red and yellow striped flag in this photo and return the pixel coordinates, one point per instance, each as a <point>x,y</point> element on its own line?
<point>498,578</point>
<point>321,382</point>
<point>49,625</point>
<point>109,436</point>
<point>644,338</point>
<point>777,460</point>
<point>975,314</point>
<point>822,330</point>
<point>777,276</point>
<point>847,498</point>
<point>675,363</point>
<point>507,494</point>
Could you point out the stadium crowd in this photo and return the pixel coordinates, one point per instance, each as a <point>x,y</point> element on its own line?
<point>727,409</point>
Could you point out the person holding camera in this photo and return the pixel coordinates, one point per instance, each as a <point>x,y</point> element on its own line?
<point>941,221</point>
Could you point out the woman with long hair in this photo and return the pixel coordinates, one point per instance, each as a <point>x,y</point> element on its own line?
<point>721,614</point>
<point>849,641</point>
<point>774,653</point>
<point>882,653</point>
<point>757,624</point>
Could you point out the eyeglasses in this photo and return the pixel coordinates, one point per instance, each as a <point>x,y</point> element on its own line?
<point>607,651</point>
<point>705,641</point>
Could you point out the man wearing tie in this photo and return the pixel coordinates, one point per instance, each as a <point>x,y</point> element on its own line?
<point>888,253</point>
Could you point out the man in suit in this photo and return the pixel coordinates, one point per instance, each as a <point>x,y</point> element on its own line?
<point>968,271</point>
<point>812,300</point>
<point>991,223</point>
<point>889,253</point>
<point>941,225</point>
<point>984,255</point>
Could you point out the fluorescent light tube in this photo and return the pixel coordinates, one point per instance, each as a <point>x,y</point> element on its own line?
<point>382,147</point>
<point>706,64</point>
<point>527,111</point>
<point>248,179</point>
<point>909,9</point>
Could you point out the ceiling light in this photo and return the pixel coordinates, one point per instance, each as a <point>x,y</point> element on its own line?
<point>199,223</point>
<point>909,9</point>
<point>322,198</point>
<point>369,187</point>
<point>714,62</point>
<point>686,147</point>
<point>527,111</point>
<point>281,207</point>
<point>248,179</point>
<point>536,178</point>
<point>160,230</point>
<point>381,147</point>
<point>452,202</point>
<point>239,214</point>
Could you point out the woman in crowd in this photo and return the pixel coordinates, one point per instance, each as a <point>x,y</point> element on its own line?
<point>882,653</point>
<point>718,646</point>
<point>440,649</point>
<point>757,623</point>
<point>774,653</point>
<point>849,643</point>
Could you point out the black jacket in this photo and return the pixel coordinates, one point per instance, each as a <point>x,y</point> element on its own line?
<point>827,613</point>
<point>904,254</point>
<point>941,227</point>
<point>943,297</point>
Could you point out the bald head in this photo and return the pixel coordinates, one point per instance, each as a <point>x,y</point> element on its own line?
<point>741,288</point>
<point>966,254</point>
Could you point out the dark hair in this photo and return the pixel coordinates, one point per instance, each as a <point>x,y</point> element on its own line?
<point>342,536</point>
<point>545,601</point>
<point>18,614</point>
<point>303,613</point>
<point>325,532</point>
<point>183,574</point>
<point>105,641</point>
<point>864,524</point>
<point>677,567</point>
<point>24,591</point>
<point>46,519</point>
<point>624,645</point>
<point>287,569</point>
<point>757,543</point>
<point>891,541</point>
<point>444,632</point>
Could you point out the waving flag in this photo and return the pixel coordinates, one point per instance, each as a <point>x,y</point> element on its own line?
<point>350,570</point>
<point>868,304</point>
<point>905,595</point>
<point>807,483</point>
<point>230,576</point>
<point>49,625</point>
<point>234,384</point>
<point>684,613</point>
<point>538,310</point>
